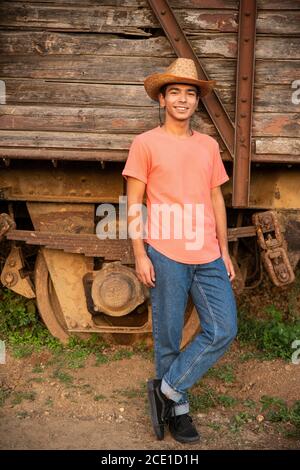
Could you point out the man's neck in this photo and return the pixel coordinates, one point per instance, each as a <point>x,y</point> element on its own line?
<point>180,129</point>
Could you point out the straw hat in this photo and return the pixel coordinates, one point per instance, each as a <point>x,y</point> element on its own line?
<point>180,71</point>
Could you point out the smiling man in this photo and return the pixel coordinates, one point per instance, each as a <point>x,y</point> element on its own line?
<point>182,172</point>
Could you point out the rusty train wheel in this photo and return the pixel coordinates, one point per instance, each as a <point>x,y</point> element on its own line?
<point>47,301</point>
<point>51,313</point>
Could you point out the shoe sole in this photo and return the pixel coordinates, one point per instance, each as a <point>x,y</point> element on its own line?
<point>185,441</point>
<point>158,428</point>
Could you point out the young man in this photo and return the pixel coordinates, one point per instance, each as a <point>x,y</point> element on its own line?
<point>186,248</point>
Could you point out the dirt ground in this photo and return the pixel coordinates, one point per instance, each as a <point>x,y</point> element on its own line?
<point>105,406</point>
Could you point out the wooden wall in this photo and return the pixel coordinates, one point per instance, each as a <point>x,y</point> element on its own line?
<point>74,73</point>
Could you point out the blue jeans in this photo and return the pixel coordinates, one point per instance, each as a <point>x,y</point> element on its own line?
<point>213,297</point>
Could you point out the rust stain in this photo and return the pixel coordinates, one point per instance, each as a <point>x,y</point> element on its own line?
<point>117,123</point>
<point>276,124</point>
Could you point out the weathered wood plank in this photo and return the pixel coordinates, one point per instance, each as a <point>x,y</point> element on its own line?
<point>267,98</point>
<point>100,69</point>
<point>113,155</point>
<point>278,4</point>
<point>128,120</point>
<point>276,124</point>
<point>271,158</point>
<point>101,120</point>
<point>209,45</point>
<point>69,140</point>
<point>134,69</point>
<point>275,99</point>
<point>66,140</point>
<point>280,145</point>
<point>107,19</point>
<point>227,4</point>
<point>78,94</point>
<point>223,4</point>
<point>30,153</point>
<point>82,140</point>
<point>49,43</point>
<point>67,18</point>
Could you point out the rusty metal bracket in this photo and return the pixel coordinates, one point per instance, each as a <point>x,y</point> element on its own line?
<point>12,274</point>
<point>244,103</point>
<point>273,246</point>
<point>183,48</point>
<point>6,223</point>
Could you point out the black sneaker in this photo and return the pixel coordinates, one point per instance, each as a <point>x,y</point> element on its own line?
<point>182,429</point>
<point>160,407</point>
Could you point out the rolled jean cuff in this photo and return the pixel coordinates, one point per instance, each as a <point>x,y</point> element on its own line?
<point>181,409</point>
<point>170,392</point>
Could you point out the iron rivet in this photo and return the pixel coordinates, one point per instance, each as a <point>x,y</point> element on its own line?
<point>177,39</point>
<point>163,12</point>
<point>243,115</point>
<point>245,77</point>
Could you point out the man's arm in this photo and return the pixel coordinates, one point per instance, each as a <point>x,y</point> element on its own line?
<point>221,227</point>
<point>143,265</point>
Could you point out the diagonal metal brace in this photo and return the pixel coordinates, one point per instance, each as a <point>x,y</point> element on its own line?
<point>183,48</point>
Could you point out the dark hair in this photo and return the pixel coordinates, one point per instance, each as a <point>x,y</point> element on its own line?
<point>164,87</point>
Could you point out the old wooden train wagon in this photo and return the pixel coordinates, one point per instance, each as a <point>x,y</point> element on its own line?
<point>72,99</point>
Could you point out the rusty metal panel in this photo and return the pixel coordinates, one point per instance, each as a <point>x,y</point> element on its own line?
<point>244,103</point>
<point>72,184</point>
<point>62,218</point>
<point>271,188</point>
<point>183,48</point>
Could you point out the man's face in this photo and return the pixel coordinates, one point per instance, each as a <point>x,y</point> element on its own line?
<point>180,101</point>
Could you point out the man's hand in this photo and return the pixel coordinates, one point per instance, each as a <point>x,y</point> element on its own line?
<point>229,266</point>
<point>145,270</point>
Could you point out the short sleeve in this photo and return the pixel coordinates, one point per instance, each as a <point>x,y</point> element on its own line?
<point>219,175</point>
<point>138,161</point>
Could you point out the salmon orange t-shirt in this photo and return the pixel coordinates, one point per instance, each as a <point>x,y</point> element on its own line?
<point>179,174</point>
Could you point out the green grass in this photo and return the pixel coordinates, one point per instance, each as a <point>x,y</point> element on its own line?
<point>131,392</point>
<point>23,414</point>
<point>208,398</point>
<point>18,397</point>
<point>122,354</point>
<point>143,350</point>
<point>249,403</point>
<point>223,372</point>
<point>214,426</point>
<point>227,401</point>
<point>101,359</point>
<point>276,410</point>
<point>21,327</point>
<point>272,336</point>
<point>37,370</point>
<point>240,419</point>
<point>36,380</point>
<point>99,397</point>
<point>63,377</point>
<point>4,394</point>
<point>49,402</point>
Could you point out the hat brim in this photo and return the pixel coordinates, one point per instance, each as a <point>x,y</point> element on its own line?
<point>154,82</point>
